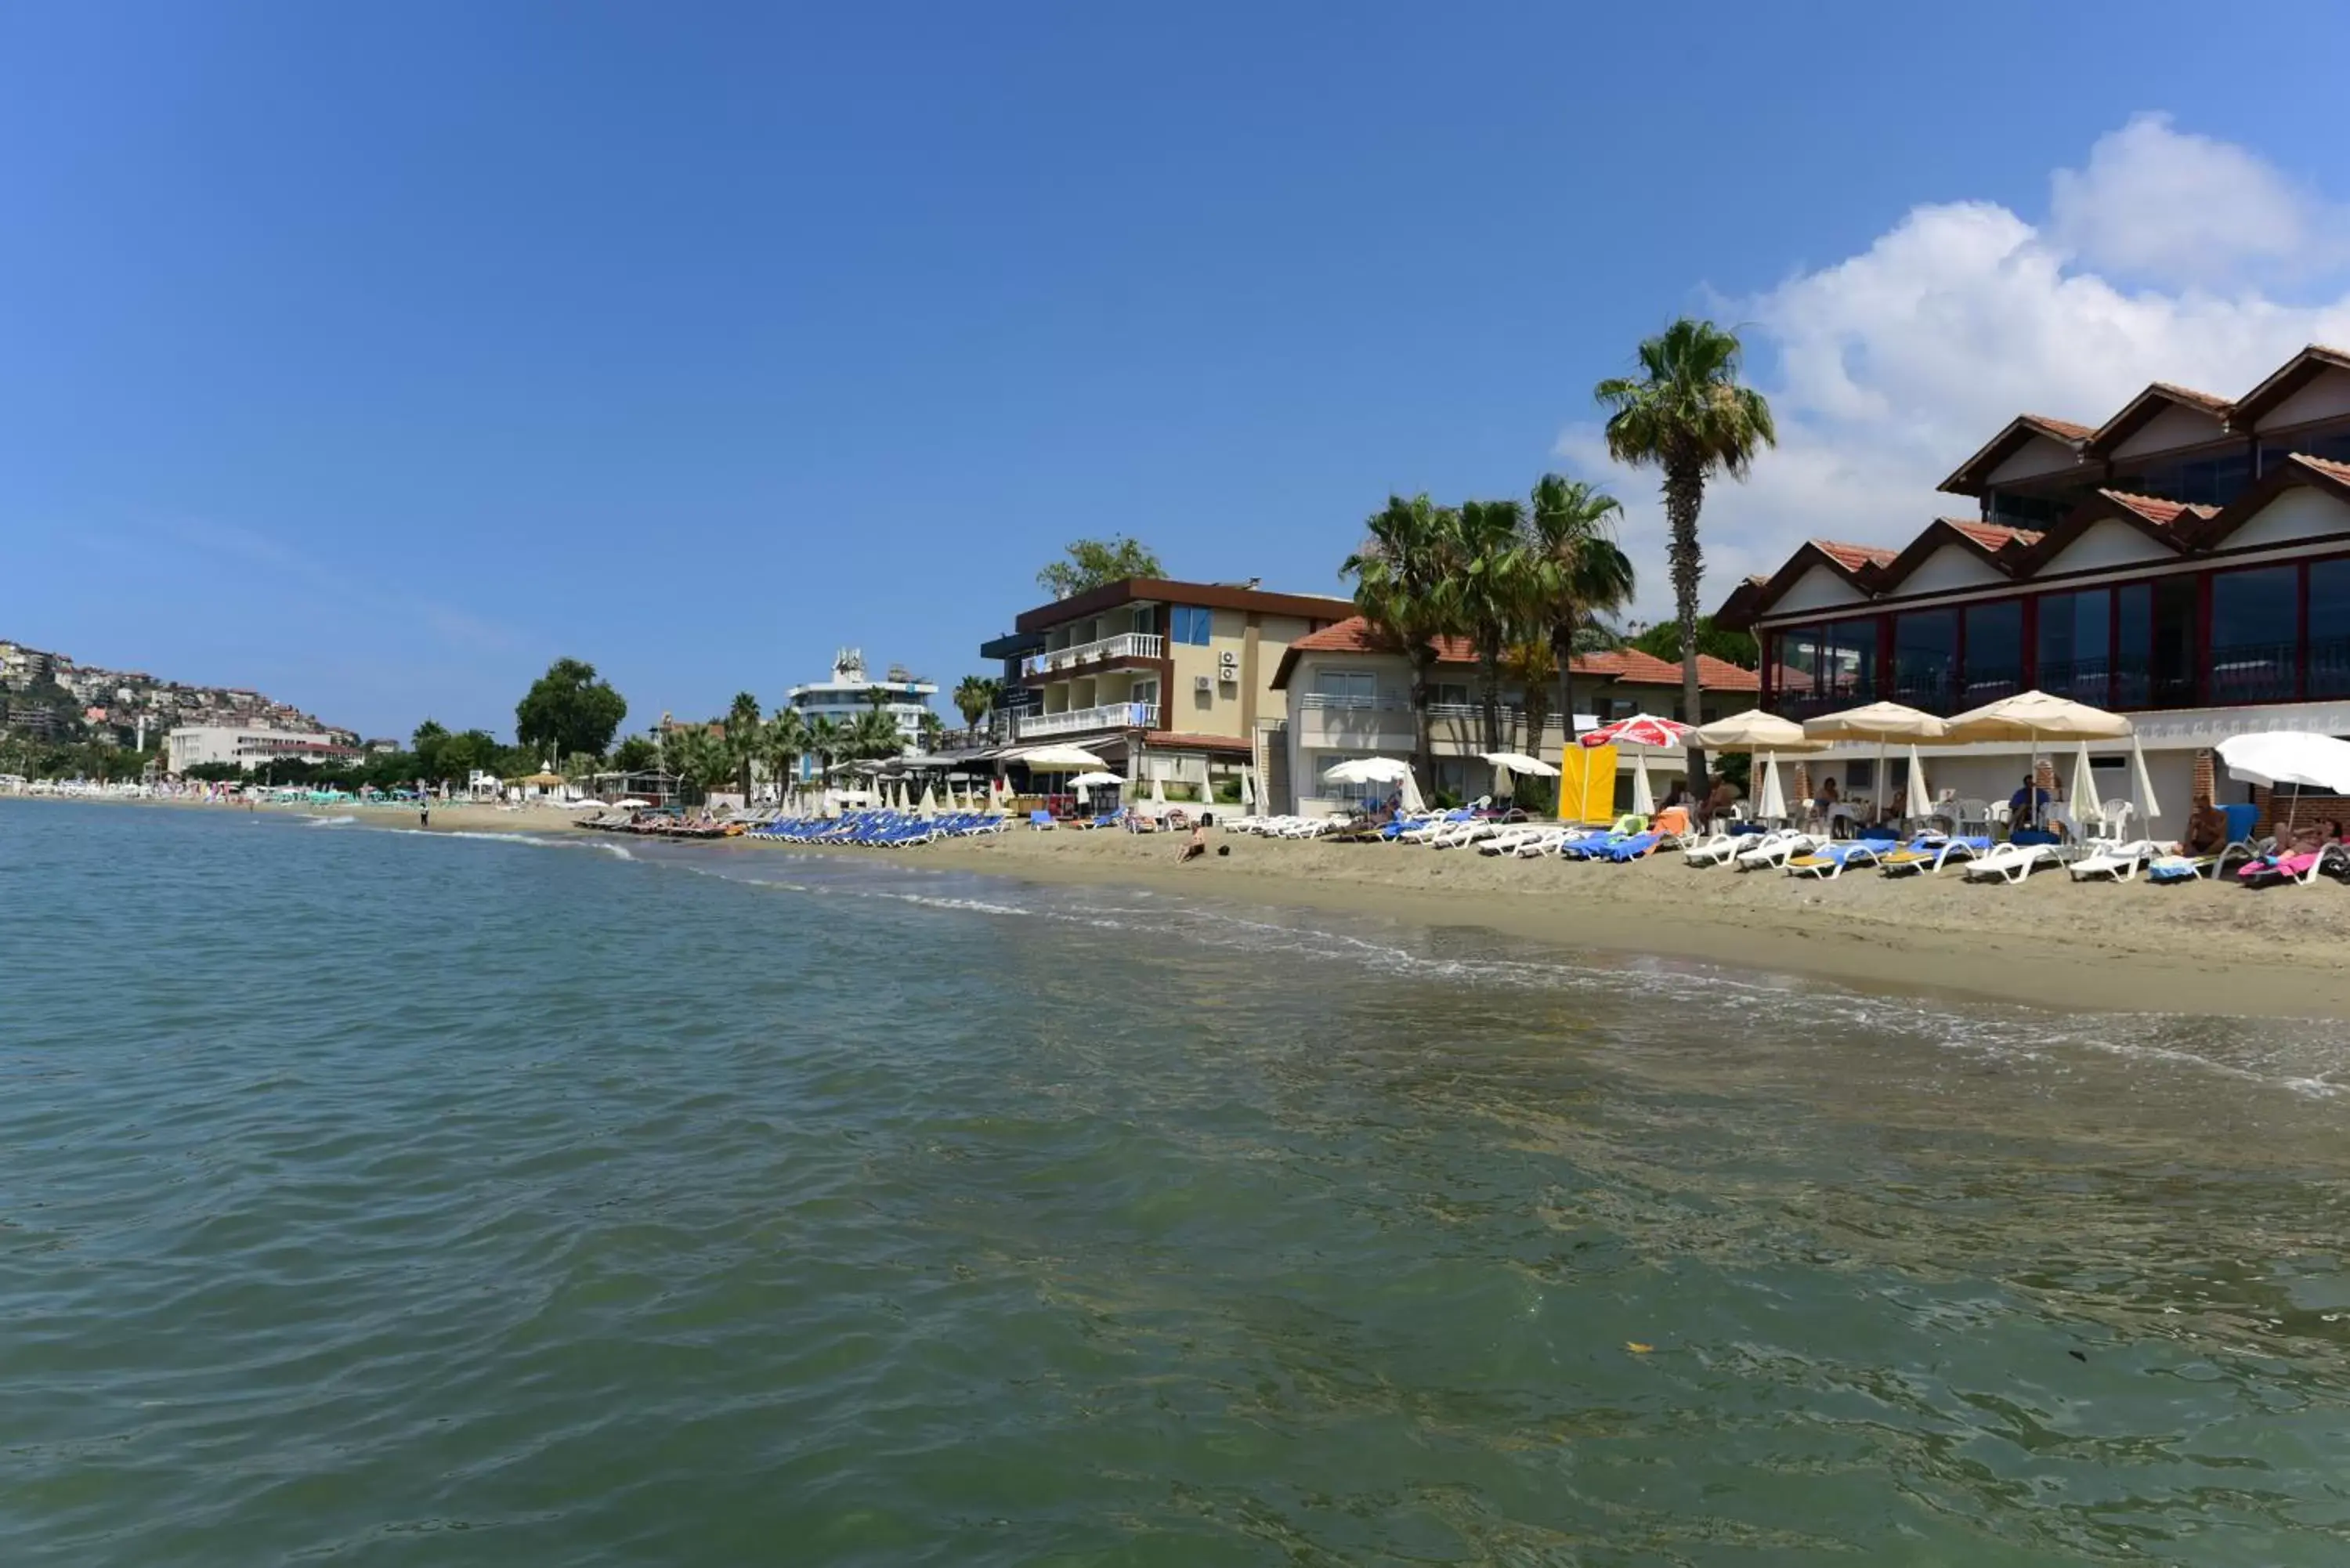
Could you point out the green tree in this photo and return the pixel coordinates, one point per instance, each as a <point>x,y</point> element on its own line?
<point>569,709</point>
<point>826,739</point>
<point>1093,562</point>
<point>635,754</point>
<point>1575,573</point>
<point>1485,592</point>
<point>787,742</point>
<point>1687,415</point>
<point>1399,572</point>
<point>874,734</point>
<point>746,738</point>
<point>1663,640</point>
<point>932,729</point>
<point>975,699</point>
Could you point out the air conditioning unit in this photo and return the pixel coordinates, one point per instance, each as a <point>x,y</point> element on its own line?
<point>1202,683</point>
<point>1229,659</point>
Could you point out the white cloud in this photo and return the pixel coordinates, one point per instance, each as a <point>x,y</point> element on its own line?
<point>2158,204</point>
<point>1886,370</point>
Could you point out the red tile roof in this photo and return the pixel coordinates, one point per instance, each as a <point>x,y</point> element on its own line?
<point>2064,428</point>
<point>2154,509</point>
<point>1629,665</point>
<point>1992,535</point>
<point>2213,401</point>
<point>2325,465</point>
<point>1853,557</point>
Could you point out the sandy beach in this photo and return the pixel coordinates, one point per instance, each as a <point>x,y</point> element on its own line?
<point>2049,942</point>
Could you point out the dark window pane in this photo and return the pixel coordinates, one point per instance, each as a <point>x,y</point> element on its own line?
<point>2134,646</point>
<point>2329,628</point>
<point>2254,646</point>
<point>1925,659</point>
<point>1994,651</point>
<point>2174,642</point>
<point>1855,660</point>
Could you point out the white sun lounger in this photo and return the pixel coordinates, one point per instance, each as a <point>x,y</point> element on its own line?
<point>2011,863</point>
<point>2119,862</point>
<point>1774,851</point>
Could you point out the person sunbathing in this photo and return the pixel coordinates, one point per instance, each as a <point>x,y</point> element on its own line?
<point>1194,846</point>
<point>2207,829</point>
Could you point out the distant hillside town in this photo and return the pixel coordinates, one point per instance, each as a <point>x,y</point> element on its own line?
<point>50,697</point>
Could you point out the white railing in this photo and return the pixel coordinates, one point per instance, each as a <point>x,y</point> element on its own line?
<point>1107,716</point>
<point>1126,645</point>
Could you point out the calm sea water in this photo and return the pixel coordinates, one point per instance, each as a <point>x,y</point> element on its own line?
<point>403,1199</point>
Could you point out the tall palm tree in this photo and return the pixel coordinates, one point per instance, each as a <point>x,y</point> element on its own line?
<point>1485,592</point>
<point>1528,662</point>
<point>1575,571</point>
<point>745,738</point>
<point>974,695</point>
<point>1687,415</point>
<point>1399,573</point>
<point>786,741</point>
<point>825,739</point>
<point>874,733</point>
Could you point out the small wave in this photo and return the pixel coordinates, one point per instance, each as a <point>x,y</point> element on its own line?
<point>331,821</point>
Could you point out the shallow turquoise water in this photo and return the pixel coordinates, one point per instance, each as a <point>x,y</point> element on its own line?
<point>387,1199</point>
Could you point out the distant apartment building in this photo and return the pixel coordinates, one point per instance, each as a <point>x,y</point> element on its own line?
<point>850,692</point>
<point>21,667</point>
<point>197,745</point>
<point>1162,680</point>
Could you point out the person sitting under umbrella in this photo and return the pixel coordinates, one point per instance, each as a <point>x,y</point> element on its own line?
<point>2025,806</point>
<point>2206,828</point>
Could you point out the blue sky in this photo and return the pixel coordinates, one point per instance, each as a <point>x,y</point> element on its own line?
<point>377,356</point>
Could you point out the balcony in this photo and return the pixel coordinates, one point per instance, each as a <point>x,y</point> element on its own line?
<point>1078,720</point>
<point>1126,645</point>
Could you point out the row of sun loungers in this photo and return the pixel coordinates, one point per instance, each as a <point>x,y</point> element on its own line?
<point>879,829</point>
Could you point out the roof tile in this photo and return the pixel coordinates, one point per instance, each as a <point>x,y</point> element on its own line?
<point>1853,557</point>
<point>1629,665</point>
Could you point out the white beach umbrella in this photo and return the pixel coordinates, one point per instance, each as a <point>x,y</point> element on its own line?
<point>1879,722</point>
<point>1248,789</point>
<point>1411,803</point>
<point>1368,769</point>
<point>1919,799</point>
<point>1754,730</point>
<point>2085,803</point>
<point>2032,717</point>
<point>1059,759</point>
<point>2274,757</point>
<point>1522,764</point>
<point>1769,798</point>
<point>1158,796</point>
<point>1644,801</point>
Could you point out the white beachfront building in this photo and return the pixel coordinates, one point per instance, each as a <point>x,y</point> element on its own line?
<point>2186,563</point>
<point>850,692</point>
<point>194,745</point>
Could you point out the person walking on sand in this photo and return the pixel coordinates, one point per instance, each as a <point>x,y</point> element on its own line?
<point>424,815</point>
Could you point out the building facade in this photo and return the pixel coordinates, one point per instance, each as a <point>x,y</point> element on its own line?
<point>1346,693</point>
<point>1162,680</point>
<point>2187,562</point>
<point>197,745</point>
<point>849,691</point>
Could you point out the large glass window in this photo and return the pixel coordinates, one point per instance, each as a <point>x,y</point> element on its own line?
<point>2133,645</point>
<point>1925,659</point>
<point>2255,634</point>
<point>1187,624</point>
<point>1347,687</point>
<point>1994,651</point>
<point>2210,480</point>
<point>2075,636</point>
<point>1818,668</point>
<point>2328,653</point>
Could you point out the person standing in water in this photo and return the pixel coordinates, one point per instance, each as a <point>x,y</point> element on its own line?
<point>424,815</point>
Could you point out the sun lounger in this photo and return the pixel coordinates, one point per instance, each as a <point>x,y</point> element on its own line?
<point>1929,853</point>
<point>2302,868</point>
<point>1829,860</point>
<point>2013,861</point>
<point>1774,850</point>
<point>2115,862</point>
<point>1623,851</point>
<point>1042,820</point>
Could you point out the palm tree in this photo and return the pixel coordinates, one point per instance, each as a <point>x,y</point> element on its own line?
<point>785,740</point>
<point>931,730</point>
<point>974,696</point>
<point>1575,572</point>
<point>875,734</point>
<point>1687,415</point>
<point>1528,662</point>
<point>1485,592</point>
<point>1399,573</point>
<point>825,739</point>
<point>746,737</point>
<point>689,752</point>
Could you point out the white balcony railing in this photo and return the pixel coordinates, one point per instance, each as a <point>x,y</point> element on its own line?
<point>1076,720</point>
<point>1126,645</point>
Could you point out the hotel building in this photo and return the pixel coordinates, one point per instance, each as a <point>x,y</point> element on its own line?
<point>1162,680</point>
<point>193,745</point>
<point>2187,562</point>
<point>1348,694</point>
<point>848,693</point>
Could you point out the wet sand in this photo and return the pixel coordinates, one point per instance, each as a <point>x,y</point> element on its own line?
<point>2051,942</point>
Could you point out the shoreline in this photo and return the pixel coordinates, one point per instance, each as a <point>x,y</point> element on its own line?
<point>2198,950</point>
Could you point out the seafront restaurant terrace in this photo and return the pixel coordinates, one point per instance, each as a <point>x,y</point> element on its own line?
<point>2187,562</point>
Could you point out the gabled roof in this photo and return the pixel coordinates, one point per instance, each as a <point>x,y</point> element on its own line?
<point>2214,525</point>
<point>2284,381</point>
<point>2021,432</point>
<point>2167,523</point>
<point>1994,542</point>
<point>1628,665</point>
<point>2140,410</point>
<point>1755,596</point>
